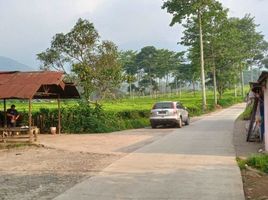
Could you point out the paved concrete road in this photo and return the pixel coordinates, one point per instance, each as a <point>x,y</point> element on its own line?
<point>195,162</point>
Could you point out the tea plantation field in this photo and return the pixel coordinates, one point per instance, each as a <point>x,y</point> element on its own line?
<point>112,115</point>
<point>188,99</point>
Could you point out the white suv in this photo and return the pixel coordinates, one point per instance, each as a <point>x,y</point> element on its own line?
<point>169,113</point>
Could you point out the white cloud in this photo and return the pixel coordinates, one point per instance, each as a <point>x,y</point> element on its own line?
<point>257,9</point>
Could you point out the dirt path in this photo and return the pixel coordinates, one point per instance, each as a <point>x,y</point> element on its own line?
<point>242,147</point>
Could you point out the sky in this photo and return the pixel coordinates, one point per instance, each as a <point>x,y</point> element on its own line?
<point>27,27</point>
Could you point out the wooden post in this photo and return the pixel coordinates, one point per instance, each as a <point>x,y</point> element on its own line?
<point>30,120</point>
<point>59,115</point>
<point>252,118</point>
<point>5,113</point>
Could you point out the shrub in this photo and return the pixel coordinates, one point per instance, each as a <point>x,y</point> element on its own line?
<point>85,118</point>
<point>247,113</point>
<point>259,162</point>
<point>80,117</point>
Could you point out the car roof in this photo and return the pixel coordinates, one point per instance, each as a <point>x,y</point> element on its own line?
<point>167,102</point>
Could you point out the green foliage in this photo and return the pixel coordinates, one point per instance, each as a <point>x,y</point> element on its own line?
<point>259,162</point>
<point>247,113</point>
<point>81,117</point>
<point>241,163</point>
<point>186,9</point>
<point>144,70</point>
<point>95,63</point>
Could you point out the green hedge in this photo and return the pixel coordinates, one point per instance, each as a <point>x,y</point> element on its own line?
<point>85,118</point>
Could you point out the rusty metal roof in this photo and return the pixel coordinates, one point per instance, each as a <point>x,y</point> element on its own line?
<point>263,76</point>
<point>36,84</point>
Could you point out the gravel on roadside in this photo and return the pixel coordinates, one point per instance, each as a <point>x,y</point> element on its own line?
<point>43,173</point>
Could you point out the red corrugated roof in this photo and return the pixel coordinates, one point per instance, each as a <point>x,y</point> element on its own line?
<point>263,76</point>
<point>24,85</point>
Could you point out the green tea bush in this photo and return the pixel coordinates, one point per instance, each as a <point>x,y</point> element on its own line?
<point>133,114</point>
<point>85,118</point>
<point>225,102</point>
<point>80,117</point>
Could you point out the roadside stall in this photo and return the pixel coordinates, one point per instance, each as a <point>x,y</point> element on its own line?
<point>29,86</point>
<point>264,87</point>
<point>253,100</point>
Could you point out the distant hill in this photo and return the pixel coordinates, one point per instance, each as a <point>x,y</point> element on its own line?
<point>8,64</point>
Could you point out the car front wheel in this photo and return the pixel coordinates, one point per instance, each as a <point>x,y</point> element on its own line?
<point>179,123</point>
<point>153,125</point>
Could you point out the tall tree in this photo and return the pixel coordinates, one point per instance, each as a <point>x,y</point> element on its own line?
<point>130,68</point>
<point>249,42</point>
<point>95,64</point>
<point>146,61</point>
<point>185,10</point>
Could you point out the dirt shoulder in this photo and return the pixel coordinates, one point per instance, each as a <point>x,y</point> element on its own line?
<point>43,173</point>
<point>65,160</point>
<point>255,184</point>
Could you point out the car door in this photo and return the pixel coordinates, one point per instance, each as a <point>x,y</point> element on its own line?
<point>182,110</point>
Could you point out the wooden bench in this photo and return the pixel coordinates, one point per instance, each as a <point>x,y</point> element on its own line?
<point>13,134</point>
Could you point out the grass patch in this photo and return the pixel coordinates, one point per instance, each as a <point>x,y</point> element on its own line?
<point>247,113</point>
<point>241,163</point>
<point>258,161</point>
<point>16,145</point>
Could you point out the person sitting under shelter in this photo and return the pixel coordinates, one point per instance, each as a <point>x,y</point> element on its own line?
<point>12,116</point>
<point>2,119</point>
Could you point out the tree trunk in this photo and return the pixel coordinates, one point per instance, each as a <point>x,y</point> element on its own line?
<point>194,87</point>
<point>180,89</point>
<point>220,93</point>
<point>176,82</point>
<point>204,101</point>
<point>166,89</point>
<point>130,90</point>
<point>235,90</point>
<point>151,83</point>
<point>214,79</point>
<point>159,86</point>
<point>215,85</point>
<point>242,80</point>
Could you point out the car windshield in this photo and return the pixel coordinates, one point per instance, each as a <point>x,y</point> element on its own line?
<point>163,105</point>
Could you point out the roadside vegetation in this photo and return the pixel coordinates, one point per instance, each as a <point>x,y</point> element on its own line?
<point>258,161</point>
<point>113,115</point>
<point>16,145</point>
<point>123,85</point>
<point>247,113</point>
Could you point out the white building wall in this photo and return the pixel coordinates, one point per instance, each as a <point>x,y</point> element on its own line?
<point>266,117</point>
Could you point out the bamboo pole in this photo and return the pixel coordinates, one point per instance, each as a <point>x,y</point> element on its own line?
<point>30,120</point>
<point>5,113</point>
<point>59,115</point>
